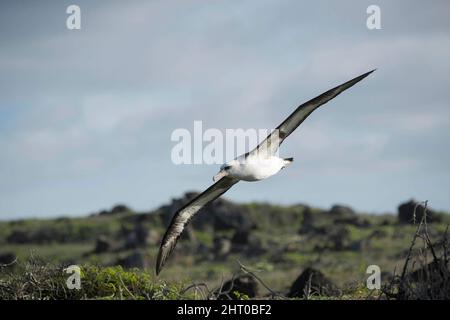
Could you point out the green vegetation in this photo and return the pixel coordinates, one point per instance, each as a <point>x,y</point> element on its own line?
<point>116,251</point>
<point>38,280</point>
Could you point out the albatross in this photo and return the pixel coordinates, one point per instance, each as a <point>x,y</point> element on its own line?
<point>258,164</point>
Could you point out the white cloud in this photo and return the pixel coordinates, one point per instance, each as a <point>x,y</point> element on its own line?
<point>105,99</point>
<point>337,59</point>
<point>107,112</point>
<point>405,123</point>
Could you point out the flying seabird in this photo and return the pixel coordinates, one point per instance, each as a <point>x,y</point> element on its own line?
<point>258,164</point>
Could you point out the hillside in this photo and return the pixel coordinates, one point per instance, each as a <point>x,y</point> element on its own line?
<point>275,243</point>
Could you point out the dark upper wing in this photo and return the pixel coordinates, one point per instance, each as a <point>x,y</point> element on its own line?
<point>270,145</point>
<point>185,214</point>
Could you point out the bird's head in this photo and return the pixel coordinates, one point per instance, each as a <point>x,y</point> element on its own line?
<point>224,171</point>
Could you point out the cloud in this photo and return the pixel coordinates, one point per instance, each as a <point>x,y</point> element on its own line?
<point>412,123</point>
<point>94,109</point>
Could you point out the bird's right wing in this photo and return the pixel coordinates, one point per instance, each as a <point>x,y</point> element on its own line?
<point>185,214</point>
<point>271,144</point>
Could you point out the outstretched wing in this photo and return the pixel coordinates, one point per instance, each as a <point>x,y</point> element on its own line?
<point>185,214</point>
<point>271,144</point>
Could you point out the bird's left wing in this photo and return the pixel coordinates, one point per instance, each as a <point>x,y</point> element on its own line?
<point>271,144</point>
<point>185,214</point>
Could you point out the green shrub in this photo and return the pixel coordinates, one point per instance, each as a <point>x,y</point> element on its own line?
<point>37,280</point>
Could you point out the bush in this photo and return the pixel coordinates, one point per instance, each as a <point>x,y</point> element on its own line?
<point>38,280</point>
<point>430,280</point>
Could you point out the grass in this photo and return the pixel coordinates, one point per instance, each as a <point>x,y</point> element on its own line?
<point>54,252</point>
<point>287,253</point>
<point>42,281</point>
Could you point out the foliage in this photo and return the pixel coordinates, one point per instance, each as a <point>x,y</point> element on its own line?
<point>283,241</point>
<point>43,281</point>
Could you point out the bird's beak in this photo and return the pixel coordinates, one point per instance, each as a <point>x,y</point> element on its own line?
<point>220,175</point>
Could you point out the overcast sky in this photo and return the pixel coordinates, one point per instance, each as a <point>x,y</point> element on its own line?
<point>86,115</point>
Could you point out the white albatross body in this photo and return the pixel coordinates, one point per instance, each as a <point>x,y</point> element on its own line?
<point>258,164</point>
<point>252,167</point>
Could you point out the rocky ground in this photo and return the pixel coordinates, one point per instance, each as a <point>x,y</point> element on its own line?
<point>240,250</point>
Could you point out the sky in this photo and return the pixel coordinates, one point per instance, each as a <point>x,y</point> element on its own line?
<point>86,115</point>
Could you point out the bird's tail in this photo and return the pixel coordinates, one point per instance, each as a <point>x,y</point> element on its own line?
<point>287,161</point>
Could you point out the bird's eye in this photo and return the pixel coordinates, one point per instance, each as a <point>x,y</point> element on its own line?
<point>226,168</point>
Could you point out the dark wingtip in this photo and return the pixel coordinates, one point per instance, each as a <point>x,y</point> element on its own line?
<point>365,74</point>
<point>159,263</point>
<point>351,83</point>
<point>373,70</point>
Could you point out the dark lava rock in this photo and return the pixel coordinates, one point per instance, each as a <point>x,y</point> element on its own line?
<point>406,213</point>
<point>436,270</point>
<point>346,215</point>
<point>102,245</point>
<point>246,242</point>
<point>241,237</point>
<point>308,222</point>
<point>7,258</point>
<point>341,211</point>
<point>18,236</point>
<point>120,208</point>
<point>339,238</point>
<point>385,222</point>
<point>244,284</point>
<point>354,221</point>
<point>138,237</point>
<point>314,282</point>
<point>117,209</point>
<point>204,252</point>
<point>221,214</point>
<point>135,260</point>
<point>378,234</point>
